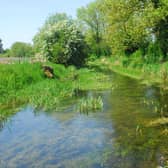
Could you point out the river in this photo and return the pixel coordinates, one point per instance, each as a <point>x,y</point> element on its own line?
<point>116,137</point>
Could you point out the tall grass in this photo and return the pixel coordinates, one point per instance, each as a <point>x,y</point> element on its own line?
<point>26,84</point>
<point>137,67</point>
<point>90,104</point>
<point>15,77</point>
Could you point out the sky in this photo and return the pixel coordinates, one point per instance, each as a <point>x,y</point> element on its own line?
<point>21,19</point>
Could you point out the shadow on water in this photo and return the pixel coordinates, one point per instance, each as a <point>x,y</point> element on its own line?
<point>115,137</point>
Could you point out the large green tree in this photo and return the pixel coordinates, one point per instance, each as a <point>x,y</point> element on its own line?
<point>21,49</point>
<point>55,18</point>
<point>92,18</point>
<point>133,24</point>
<point>161,27</point>
<point>61,42</point>
<point>129,23</point>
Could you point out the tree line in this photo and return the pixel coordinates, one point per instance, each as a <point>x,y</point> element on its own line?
<point>105,28</point>
<point>18,49</point>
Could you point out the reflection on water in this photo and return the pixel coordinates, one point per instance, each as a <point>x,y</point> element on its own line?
<point>113,138</point>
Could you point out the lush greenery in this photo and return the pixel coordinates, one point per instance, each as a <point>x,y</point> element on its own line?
<point>91,19</point>
<point>26,83</point>
<point>108,27</point>
<point>20,49</point>
<point>125,36</point>
<point>134,33</point>
<point>90,104</point>
<point>135,67</point>
<point>135,24</point>
<point>61,42</point>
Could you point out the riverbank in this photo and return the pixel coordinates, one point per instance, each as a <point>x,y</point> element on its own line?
<point>23,84</point>
<point>125,127</point>
<point>26,84</point>
<point>150,74</point>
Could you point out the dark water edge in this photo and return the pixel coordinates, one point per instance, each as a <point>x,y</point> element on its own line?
<point>116,137</point>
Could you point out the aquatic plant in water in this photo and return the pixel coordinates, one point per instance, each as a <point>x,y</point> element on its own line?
<point>159,122</point>
<point>158,107</point>
<point>164,76</point>
<point>90,104</point>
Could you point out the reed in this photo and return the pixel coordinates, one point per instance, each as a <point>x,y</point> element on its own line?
<point>90,104</point>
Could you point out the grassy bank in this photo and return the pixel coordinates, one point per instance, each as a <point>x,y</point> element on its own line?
<point>26,84</point>
<point>150,74</point>
<point>156,73</point>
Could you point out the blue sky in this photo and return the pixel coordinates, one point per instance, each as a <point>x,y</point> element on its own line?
<point>21,19</point>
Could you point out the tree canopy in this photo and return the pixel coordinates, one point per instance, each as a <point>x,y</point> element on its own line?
<point>21,49</point>
<point>55,18</point>
<point>107,26</point>
<point>92,18</point>
<point>133,23</point>
<point>61,42</point>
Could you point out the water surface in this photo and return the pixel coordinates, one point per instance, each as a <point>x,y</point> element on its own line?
<point>116,137</point>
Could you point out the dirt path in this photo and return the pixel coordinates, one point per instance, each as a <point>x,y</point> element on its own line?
<point>9,60</point>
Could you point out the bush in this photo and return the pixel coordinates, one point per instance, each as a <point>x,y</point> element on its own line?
<point>6,53</point>
<point>61,43</point>
<point>154,53</point>
<point>126,61</point>
<point>20,49</point>
<point>137,59</point>
<point>92,57</point>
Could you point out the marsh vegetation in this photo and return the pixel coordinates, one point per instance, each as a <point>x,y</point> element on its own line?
<point>103,99</point>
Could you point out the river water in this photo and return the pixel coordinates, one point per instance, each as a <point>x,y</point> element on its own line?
<point>116,137</point>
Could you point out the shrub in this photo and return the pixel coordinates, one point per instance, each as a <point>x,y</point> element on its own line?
<point>6,53</point>
<point>137,59</point>
<point>125,62</point>
<point>92,57</point>
<point>154,53</point>
<point>61,43</point>
<point>20,49</point>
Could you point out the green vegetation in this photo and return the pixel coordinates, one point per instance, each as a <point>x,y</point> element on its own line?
<point>90,104</point>
<point>159,122</point>
<point>137,68</point>
<point>62,43</point>
<point>92,22</point>
<point>5,53</point>
<point>20,49</point>
<point>150,74</point>
<point>128,37</point>
<point>26,84</point>
<point>108,27</point>
<point>56,18</point>
<point>135,24</point>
